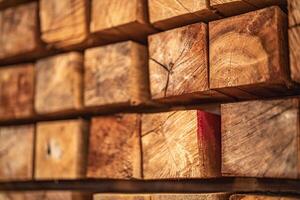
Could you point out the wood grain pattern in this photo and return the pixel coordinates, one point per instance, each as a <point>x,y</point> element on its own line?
<point>19,31</point>
<point>249,52</point>
<point>59,83</point>
<point>260,197</point>
<point>16,91</point>
<point>231,7</point>
<point>44,195</point>
<point>294,12</point>
<point>167,14</point>
<point>116,20</point>
<point>181,144</point>
<point>181,73</point>
<point>116,74</point>
<point>114,148</point>
<point>265,3</point>
<point>13,141</point>
<point>61,148</point>
<point>64,23</point>
<point>121,197</point>
<point>202,196</point>
<point>261,133</point>
<point>294,45</point>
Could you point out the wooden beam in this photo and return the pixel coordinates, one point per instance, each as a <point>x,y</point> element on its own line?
<point>261,133</point>
<point>169,14</point>
<point>265,3</point>
<point>249,53</point>
<point>231,7</point>
<point>19,33</point>
<point>114,147</point>
<point>261,197</point>
<point>13,141</point>
<point>116,75</point>
<point>201,196</point>
<point>61,148</point>
<point>179,68</point>
<point>122,196</point>
<point>12,3</point>
<point>45,195</point>
<point>294,45</point>
<point>59,83</point>
<point>114,20</point>
<point>16,91</point>
<point>294,12</point>
<point>64,24</point>
<point>181,144</point>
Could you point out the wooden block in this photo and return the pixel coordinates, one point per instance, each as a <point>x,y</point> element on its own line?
<point>231,7</point>
<point>249,52</point>
<point>44,195</point>
<point>294,45</point>
<point>13,141</point>
<point>64,24</point>
<point>121,197</point>
<point>116,74</point>
<point>260,197</point>
<point>202,196</point>
<point>11,3</point>
<point>265,3</point>
<point>16,91</point>
<point>169,14</point>
<point>19,32</point>
<point>261,133</point>
<point>114,147</point>
<point>59,83</point>
<point>181,144</point>
<point>116,20</point>
<point>61,148</point>
<point>294,12</point>
<point>179,68</point>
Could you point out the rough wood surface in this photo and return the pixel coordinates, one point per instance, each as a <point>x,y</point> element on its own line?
<point>122,197</point>
<point>294,12</point>
<point>264,3</point>
<point>180,144</point>
<point>19,31</point>
<point>13,141</point>
<point>179,68</point>
<point>116,74</point>
<point>260,197</point>
<point>116,20</point>
<point>231,7</point>
<point>294,45</point>
<point>114,147</point>
<point>61,148</point>
<point>16,91</point>
<point>12,3</point>
<point>167,14</point>
<point>249,52</point>
<point>261,133</point>
<point>59,83</point>
<point>202,196</point>
<point>44,195</point>
<point>64,23</point>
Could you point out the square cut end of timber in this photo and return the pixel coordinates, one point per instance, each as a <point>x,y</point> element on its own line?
<point>249,52</point>
<point>294,13</point>
<point>261,197</point>
<point>122,196</point>
<point>294,45</point>
<point>114,147</point>
<point>261,133</point>
<point>59,83</point>
<point>64,24</point>
<point>16,91</point>
<point>16,153</point>
<point>116,75</point>
<point>61,148</point>
<point>181,144</point>
<point>202,196</point>
<point>228,8</point>
<point>38,195</point>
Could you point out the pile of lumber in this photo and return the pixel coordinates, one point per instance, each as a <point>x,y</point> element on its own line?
<point>148,90</point>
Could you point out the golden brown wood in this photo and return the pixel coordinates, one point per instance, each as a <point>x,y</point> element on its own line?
<point>294,12</point>
<point>231,7</point>
<point>261,197</point>
<point>44,195</point>
<point>61,148</point>
<point>181,144</point>
<point>202,196</point>
<point>114,147</point>
<point>261,133</point>
<point>16,91</point>
<point>16,152</point>
<point>116,20</point>
<point>249,53</point>
<point>59,83</point>
<point>294,45</point>
<point>64,22</point>
<point>116,74</point>
<point>19,32</point>
<point>179,68</point>
<point>122,197</point>
<point>167,14</point>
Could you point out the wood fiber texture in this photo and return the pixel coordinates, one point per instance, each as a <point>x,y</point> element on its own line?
<point>261,197</point>
<point>228,8</point>
<point>44,195</point>
<point>294,12</point>
<point>294,45</point>
<point>202,196</point>
<point>122,197</point>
